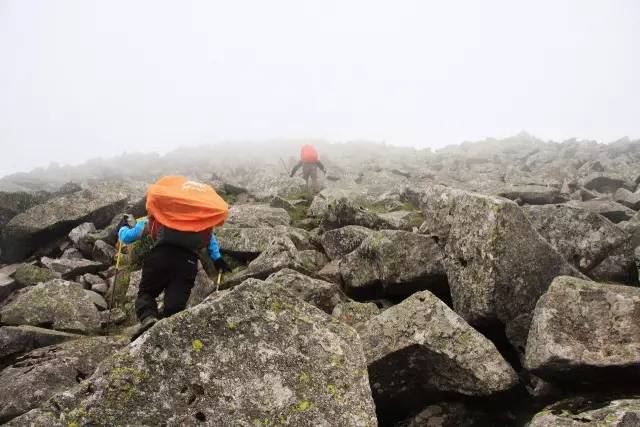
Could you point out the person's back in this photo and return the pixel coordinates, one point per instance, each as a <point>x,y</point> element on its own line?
<point>310,163</point>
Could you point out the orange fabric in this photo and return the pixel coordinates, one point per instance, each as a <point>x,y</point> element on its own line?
<point>309,154</point>
<point>185,205</point>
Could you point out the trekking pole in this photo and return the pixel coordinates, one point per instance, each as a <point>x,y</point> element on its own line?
<point>115,282</point>
<point>219,280</point>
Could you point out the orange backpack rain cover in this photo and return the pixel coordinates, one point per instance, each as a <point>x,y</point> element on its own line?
<point>308,154</point>
<point>185,205</point>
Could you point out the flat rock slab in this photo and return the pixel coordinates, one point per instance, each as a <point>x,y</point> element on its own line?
<point>15,340</point>
<point>420,350</point>
<point>59,304</point>
<point>247,243</point>
<point>38,375</point>
<point>254,354</point>
<point>319,293</point>
<point>581,330</point>
<point>609,209</point>
<point>257,216</point>
<point>69,268</point>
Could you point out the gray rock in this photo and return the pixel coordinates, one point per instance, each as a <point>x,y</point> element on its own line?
<point>321,294</point>
<point>532,194</point>
<point>202,288</point>
<point>279,202</point>
<point>618,267</point>
<point>312,260</point>
<point>331,272</point>
<point>247,243</point>
<point>420,349</point>
<point>71,253</point>
<point>62,305</point>
<point>403,220</point>
<point>256,216</point>
<point>55,218</point>
<point>104,253</point>
<point>8,286</point>
<point>16,340</point>
<point>580,412</point>
<point>497,264</point>
<point>97,299</point>
<point>606,182</point>
<point>582,237</point>
<point>340,241</point>
<point>354,313</point>
<point>395,263</point>
<point>71,267</point>
<point>345,212</point>
<point>627,198</point>
<point>580,329</point>
<point>79,237</point>
<point>455,414</point>
<point>609,209</point>
<point>29,275</point>
<point>252,354</point>
<point>37,376</point>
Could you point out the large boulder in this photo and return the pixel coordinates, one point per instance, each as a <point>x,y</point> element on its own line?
<point>29,275</point>
<point>38,375</point>
<point>606,182</point>
<point>79,236</point>
<point>585,331</point>
<point>340,241</point>
<point>321,294</point>
<point>354,313</point>
<point>532,194</point>
<point>247,243</point>
<point>42,224</point>
<point>582,237</point>
<point>104,253</point>
<point>609,209</point>
<point>69,268</point>
<point>627,198</point>
<point>396,263</point>
<point>497,264</point>
<point>252,355</point>
<point>343,212</point>
<point>15,340</point>
<point>256,216</point>
<point>589,411</point>
<point>402,219</point>
<point>420,350</point>
<point>59,304</point>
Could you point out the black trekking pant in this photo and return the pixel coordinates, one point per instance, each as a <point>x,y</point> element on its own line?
<point>167,268</point>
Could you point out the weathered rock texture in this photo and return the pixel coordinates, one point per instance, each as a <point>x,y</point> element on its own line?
<point>581,330</point>
<point>581,412</point>
<point>255,354</point>
<point>420,350</point>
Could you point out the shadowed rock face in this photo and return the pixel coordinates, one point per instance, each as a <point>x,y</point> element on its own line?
<point>420,350</point>
<point>497,264</point>
<point>55,218</point>
<point>253,353</point>
<point>585,332</point>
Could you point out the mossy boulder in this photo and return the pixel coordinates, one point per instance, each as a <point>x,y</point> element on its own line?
<point>339,242</point>
<point>15,340</point>
<point>29,275</point>
<point>321,294</point>
<point>254,355</point>
<point>588,411</point>
<point>58,304</point>
<point>38,375</point>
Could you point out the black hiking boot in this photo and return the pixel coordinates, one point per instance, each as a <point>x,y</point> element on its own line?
<point>145,324</point>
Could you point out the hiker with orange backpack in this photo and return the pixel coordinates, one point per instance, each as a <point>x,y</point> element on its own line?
<point>310,163</point>
<point>181,218</point>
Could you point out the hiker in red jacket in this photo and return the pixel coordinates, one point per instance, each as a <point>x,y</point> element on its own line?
<point>310,162</point>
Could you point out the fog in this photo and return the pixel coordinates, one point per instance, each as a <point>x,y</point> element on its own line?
<point>82,79</point>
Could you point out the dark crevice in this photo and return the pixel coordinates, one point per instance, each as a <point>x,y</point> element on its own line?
<point>200,416</point>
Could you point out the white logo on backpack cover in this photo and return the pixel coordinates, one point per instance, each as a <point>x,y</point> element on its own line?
<point>192,185</point>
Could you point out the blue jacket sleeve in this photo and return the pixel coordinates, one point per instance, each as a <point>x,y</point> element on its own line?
<point>214,248</point>
<point>129,235</point>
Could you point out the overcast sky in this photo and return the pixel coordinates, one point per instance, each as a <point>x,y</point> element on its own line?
<point>80,79</point>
